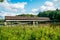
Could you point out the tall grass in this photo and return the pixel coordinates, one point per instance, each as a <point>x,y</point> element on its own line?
<point>28,32</point>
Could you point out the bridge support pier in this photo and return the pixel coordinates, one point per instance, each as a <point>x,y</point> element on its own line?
<point>5,23</point>
<point>35,22</point>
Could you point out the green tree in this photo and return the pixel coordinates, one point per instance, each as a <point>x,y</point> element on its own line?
<point>42,14</point>
<point>53,15</point>
<point>58,15</point>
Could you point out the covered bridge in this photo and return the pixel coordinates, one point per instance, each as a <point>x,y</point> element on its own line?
<point>25,19</point>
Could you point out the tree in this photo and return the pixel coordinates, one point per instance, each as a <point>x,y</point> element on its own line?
<point>53,15</point>
<point>42,14</point>
<point>58,15</point>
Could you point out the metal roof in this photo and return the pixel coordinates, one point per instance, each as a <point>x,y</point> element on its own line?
<point>25,18</point>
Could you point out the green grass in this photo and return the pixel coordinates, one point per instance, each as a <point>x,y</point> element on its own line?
<point>28,32</point>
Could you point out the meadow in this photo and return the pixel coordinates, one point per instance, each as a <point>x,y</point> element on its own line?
<point>30,32</point>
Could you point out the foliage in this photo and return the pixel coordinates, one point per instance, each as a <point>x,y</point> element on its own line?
<point>28,15</point>
<point>28,32</point>
<point>53,15</point>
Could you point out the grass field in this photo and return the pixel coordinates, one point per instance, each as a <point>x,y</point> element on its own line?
<point>30,32</point>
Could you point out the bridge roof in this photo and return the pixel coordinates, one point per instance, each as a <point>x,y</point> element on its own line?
<point>25,18</point>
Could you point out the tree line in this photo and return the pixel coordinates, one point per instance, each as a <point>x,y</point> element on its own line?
<point>53,15</point>
<point>28,15</point>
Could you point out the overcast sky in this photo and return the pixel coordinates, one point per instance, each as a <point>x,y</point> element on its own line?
<point>15,7</point>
